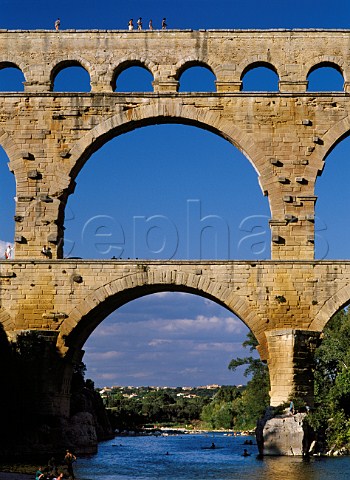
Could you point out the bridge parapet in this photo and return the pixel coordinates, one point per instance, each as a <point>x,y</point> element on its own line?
<point>228,53</point>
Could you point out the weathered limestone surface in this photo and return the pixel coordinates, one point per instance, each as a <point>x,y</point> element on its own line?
<point>285,304</point>
<point>287,135</point>
<point>283,435</point>
<point>48,136</point>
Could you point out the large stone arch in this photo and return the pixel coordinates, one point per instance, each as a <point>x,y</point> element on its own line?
<point>330,140</point>
<point>13,152</point>
<point>163,112</point>
<point>335,303</point>
<point>98,304</point>
<point>6,321</point>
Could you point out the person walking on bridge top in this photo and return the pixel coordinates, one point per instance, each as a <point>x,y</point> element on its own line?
<point>57,24</point>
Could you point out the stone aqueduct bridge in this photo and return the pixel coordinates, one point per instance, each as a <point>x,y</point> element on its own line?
<point>48,136</point>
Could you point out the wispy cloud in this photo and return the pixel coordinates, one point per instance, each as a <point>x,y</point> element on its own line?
<point>3,245</point>
<point>145,343</point>
<point>105,355</point>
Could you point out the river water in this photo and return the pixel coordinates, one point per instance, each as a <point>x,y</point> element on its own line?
<point>187,457</point>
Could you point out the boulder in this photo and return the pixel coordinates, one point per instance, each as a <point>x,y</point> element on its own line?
<point>284,434</point>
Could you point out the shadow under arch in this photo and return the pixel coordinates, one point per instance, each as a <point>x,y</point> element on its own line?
<point>86,316</point>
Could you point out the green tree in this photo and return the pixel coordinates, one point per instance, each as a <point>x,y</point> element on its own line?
<point>220,412</point>
<point>331,416</point>
<point>126,412</point>
<point>251,405</point>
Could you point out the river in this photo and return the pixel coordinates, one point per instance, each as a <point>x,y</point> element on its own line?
<point>187,457</point>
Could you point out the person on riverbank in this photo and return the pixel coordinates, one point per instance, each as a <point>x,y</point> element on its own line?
<point>39,475</point>
<point>291,407</point>
<point>59,477</point>
<point>69,459</point>
<point>51,464</point>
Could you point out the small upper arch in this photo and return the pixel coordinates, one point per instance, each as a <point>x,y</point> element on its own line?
<point>321,61</point>
<point>125,64</point>
<point>190,62</point>
<point>199,77</point>
<point>330,65</point>
<point>257,62</point>
<point>264,65</point>
<point>67,63</point>
<point>13,79</point>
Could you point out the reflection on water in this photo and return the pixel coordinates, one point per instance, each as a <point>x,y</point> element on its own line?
<point>188,457</point>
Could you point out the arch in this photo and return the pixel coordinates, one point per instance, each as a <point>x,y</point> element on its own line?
<point>333,194</point>
<point>96,306</point>
<point>59,66</point>
<point>265,65</point>
<point>161,112</point>
<point>194,65</point>
<point>12,66</point>
<point>336,302</point>
<point>7,143</point>
<point>126,63</point>
<point>330,140</point>
<point>153,156</point>
<point>190,62</point>
<point>7,203</point>
<point>10,61</point>
<point>326,64</point>
<point>7,321</point>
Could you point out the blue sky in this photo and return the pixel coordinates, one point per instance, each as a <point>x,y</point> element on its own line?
<point>110,14</point>
<point>183,178</point>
